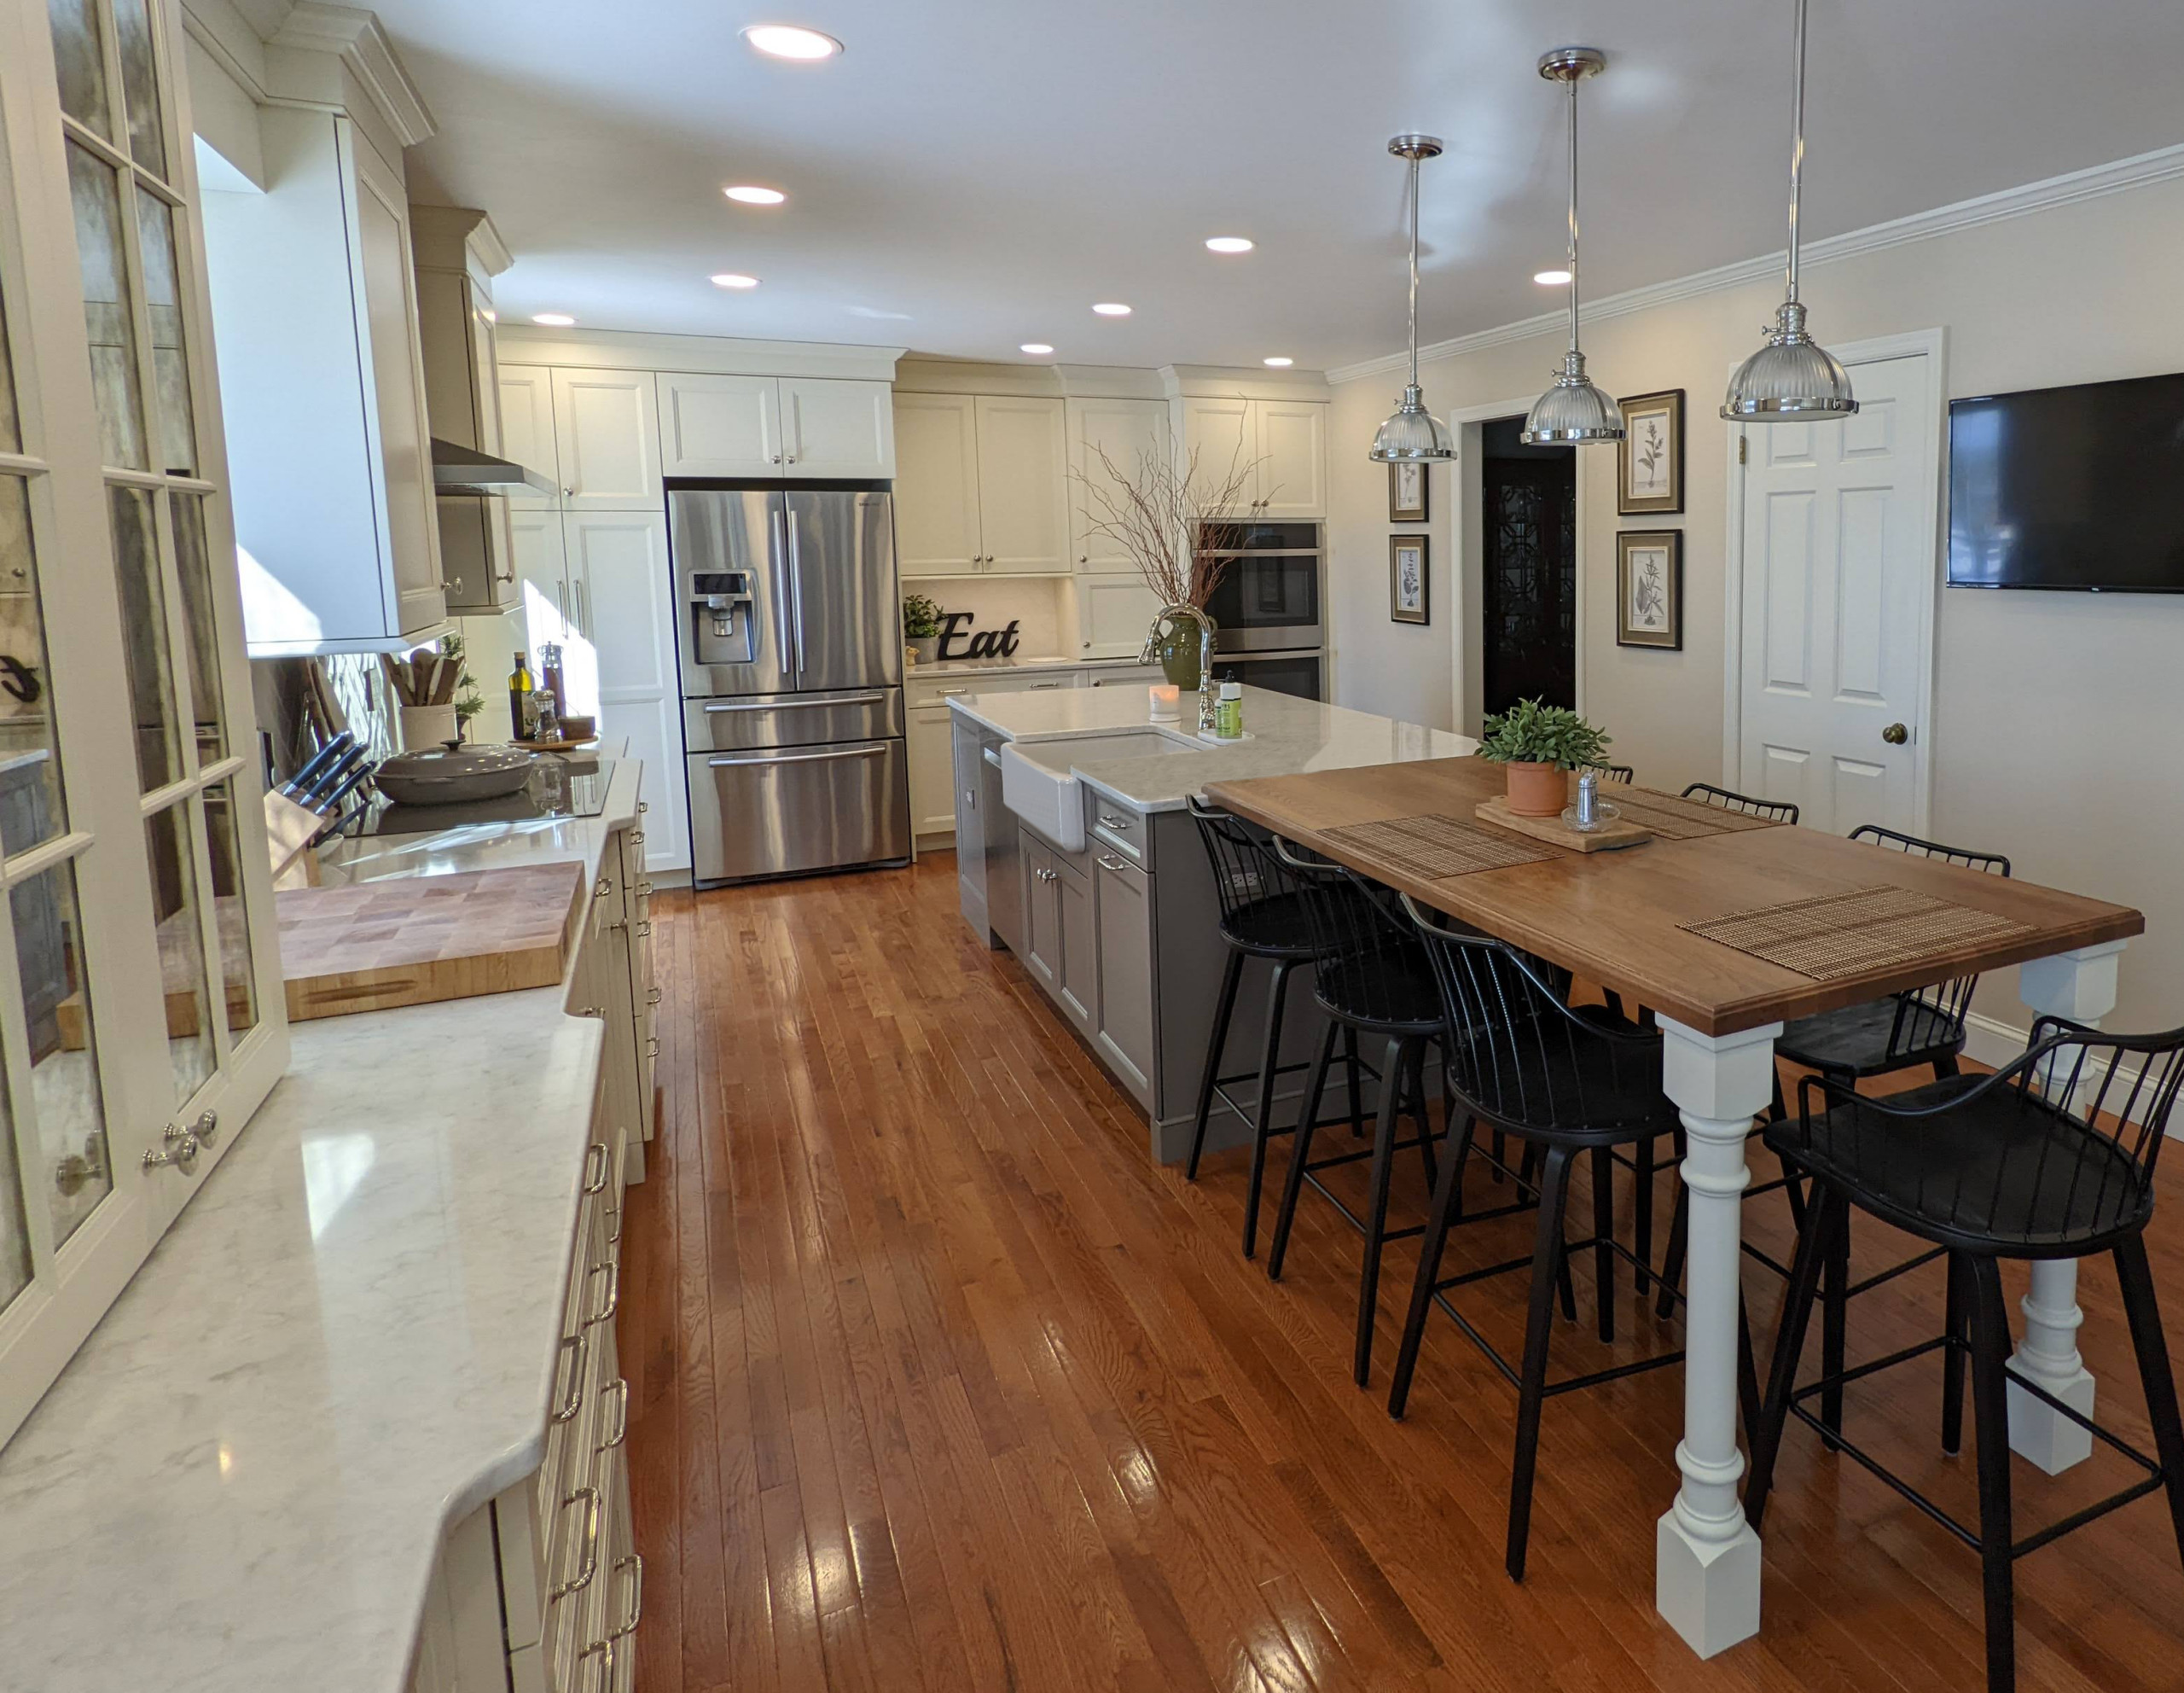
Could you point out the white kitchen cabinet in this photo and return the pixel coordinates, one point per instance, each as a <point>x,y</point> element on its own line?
<point>775,426</point>
<point>621,658</point>
<point>1127,433</point>
<point>937,486</point>
<point>981,487</point>
<point>527,428</point>
<point>1283,441</point>
<point>720,426</point>
<point>322,385</point>
<point>834,427</point>
<point>606,438</point>
<point>1023,485</point>
<point>1113,615</point>
<point>1290,440</point>
<point>932,770</point>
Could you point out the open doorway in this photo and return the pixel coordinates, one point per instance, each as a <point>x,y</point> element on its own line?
<point>1527,576</point>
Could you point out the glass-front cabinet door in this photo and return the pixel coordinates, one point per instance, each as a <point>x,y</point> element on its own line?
<point>142,1021</point>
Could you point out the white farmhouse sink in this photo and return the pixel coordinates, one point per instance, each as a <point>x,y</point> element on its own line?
<point>1035,782</point>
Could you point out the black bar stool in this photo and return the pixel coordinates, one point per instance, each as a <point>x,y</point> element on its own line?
<point>1262,916</point>
<point>2053,1157</point>
<point>1371,978</point>
<point>1567,1082</point>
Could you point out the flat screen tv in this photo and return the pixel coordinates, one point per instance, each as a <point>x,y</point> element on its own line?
<point>2079,487</point>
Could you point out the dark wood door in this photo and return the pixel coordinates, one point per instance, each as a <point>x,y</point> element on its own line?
<point>1530,594</point>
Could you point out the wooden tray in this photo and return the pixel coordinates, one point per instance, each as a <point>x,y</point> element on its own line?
<point>592,739</point>
<point>1607,839</point>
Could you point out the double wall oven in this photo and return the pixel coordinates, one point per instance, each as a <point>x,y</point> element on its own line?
<point>1268,606</point>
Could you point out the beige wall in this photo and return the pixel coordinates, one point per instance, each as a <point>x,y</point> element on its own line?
<point>2055,716</point>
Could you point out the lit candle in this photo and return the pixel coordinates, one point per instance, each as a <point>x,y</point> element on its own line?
<point>1166,699</point>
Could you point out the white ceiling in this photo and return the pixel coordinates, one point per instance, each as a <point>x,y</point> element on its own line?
<point>974,173</point>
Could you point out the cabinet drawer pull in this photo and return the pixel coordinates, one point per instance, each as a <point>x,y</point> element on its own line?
<point>636,837</point>
<point>643,807</point>
<point>603,887</point>
<point>619,1387</point>
<point>594,1182</point>
<point>652,1047</point>
<point>1108,861</point>
<point>634,1564</point>
<point>1046,875</point>
<point>614,1300</point>
<point>604,1651</point>
<point>652,996</point>
<point>642,890</point>
<point>614,1234</point>
<point>589,1497</point>
<point>577,1346</point>
<point>1109,820</point>
<point>644,929</point>
<point>1037,686</point>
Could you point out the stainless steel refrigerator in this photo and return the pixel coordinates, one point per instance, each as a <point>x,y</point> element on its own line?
<point>789,630</point>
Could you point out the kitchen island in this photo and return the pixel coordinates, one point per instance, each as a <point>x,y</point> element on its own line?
<point>1104,891</point>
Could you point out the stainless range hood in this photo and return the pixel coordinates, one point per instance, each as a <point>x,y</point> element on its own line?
<point>463,470</point>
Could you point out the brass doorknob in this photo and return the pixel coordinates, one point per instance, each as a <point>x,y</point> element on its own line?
<point>1895,734</point>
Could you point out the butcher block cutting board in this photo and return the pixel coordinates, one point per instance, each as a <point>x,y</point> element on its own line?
<point>411,940</point>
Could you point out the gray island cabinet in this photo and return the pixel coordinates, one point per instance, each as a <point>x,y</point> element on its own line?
<point>1117,924</point>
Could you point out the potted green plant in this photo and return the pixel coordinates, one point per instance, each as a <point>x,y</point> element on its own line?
<point>921,627</point>
<point>1541,744</point>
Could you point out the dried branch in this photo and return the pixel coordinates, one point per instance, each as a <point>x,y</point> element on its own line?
<point>1171,522</point>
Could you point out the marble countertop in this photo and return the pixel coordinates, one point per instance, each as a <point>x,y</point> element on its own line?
<point>344,1343</point>
<point>1287,737</point>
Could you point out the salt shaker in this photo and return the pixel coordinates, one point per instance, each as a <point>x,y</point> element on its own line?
<point>1589,798</point>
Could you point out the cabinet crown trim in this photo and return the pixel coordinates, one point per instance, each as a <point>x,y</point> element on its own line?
<point>1228,381</point>
<point>697,355</point>
<point>355,37</point>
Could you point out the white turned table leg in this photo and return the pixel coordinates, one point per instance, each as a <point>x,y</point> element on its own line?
<point>2079,986</point>
<point>1707,1556</point>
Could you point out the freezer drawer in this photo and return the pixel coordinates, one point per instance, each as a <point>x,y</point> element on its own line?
<point>757,721</point>
<point>799,808</point>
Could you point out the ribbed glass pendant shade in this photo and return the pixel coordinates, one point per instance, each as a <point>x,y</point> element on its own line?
<point>1573,411</point>
<point>1791,377</point>
<point>1412,433</point>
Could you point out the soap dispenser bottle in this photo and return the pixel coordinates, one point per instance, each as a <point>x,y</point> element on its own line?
<point>1228,712</point>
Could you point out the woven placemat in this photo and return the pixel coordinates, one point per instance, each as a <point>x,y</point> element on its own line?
<point>1433,846</point>
<point>1673,817</point>
<point>1850,934</point>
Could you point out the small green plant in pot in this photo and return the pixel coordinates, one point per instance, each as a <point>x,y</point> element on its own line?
<point>922,627</point>
<point>1541,744</point>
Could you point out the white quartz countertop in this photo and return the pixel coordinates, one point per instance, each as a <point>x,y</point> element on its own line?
<point>345,1343</point>
<point>1287,737</point>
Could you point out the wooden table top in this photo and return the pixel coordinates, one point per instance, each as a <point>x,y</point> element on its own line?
<point>1614,917</point>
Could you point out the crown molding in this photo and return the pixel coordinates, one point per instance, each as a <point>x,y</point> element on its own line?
<point>2143,170</point>
<point>1232,381</point>
<point>933,373</point>
<point>700,355</point>
<point>355,38</point>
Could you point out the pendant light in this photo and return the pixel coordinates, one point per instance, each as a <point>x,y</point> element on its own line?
<point>1792,377</point>
<point>1573,411</point>
<point>1412,433</point>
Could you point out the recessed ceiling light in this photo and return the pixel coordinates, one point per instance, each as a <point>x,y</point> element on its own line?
<point>792,41</point>
<point>733,279</point>
<point>1111,308</point>
<point>1279,364</point>
<point>1228,244</point>
<point>1551,279</point>
<point>553,320</point>
<point>745,193</point>
<point>1037,349</point>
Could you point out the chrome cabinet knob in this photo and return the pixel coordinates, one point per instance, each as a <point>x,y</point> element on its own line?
<point>78,1170</point>
<point>1895,734</point>
<point>182,1149</point>
<point>206,1128</point>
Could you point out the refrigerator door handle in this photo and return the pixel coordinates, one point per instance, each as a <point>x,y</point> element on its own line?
<point>872,751</point>
<point>796,580</point>
<point>869,699</point>
<point>792,663</point>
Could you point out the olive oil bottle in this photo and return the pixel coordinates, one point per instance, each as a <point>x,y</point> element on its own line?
<point>522,703</point>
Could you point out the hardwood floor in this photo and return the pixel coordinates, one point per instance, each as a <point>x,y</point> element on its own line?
<point>936,1384</point>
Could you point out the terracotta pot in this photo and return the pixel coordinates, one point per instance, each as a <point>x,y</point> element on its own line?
<point>1538,790</point>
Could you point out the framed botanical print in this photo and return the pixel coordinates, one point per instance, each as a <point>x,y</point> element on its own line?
<point>1407,578</point>
<point>1408,500</point>
<point>1649,458</point>
<point>1649,588</point>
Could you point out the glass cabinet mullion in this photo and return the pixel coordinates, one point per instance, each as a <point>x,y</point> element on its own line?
<point>208,925</point>
<point>21,1115</point>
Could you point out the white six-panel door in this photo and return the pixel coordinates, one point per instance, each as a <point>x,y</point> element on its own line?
<point>1839,549</point>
